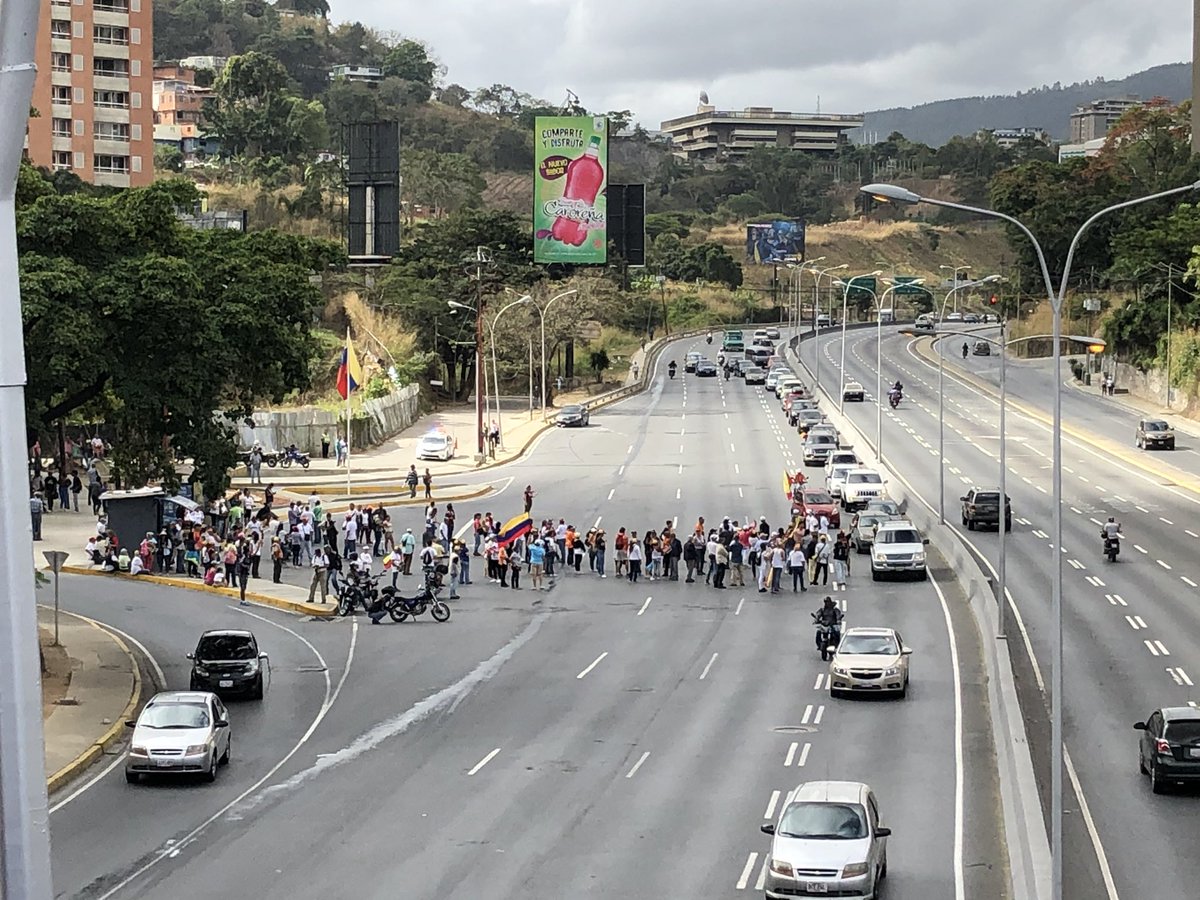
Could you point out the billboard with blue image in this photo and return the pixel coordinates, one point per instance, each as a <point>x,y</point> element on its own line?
<point>775,242</point>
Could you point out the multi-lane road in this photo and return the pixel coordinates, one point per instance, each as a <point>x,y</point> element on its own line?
<point>1130,627</point>
<point>601,739</point>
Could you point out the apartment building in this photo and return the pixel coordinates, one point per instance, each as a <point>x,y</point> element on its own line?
<point>93,91</point>
<point>177,99</point>
<point>1093,120</point>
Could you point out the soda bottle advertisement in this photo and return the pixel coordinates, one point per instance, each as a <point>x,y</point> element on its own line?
<point>570,180</point>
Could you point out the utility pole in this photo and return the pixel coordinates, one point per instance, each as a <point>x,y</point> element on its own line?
<point>475,268</point>
<point>24,811</point>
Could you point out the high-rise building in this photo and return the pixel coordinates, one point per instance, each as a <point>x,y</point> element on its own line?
<point>710,133</point>
<point>1093,120</point>
<point>92,97</point>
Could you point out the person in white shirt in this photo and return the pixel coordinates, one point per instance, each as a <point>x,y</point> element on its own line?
<point>796,567</point>
<point>136,567</point>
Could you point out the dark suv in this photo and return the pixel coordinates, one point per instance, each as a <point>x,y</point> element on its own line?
<point>1169,747</point>
<point>981,506</point>
<point>1154,434</point>
<point>228,662</point>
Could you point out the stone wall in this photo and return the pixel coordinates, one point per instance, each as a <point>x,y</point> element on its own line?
<point>373,423</point>
<point>1151,386</point>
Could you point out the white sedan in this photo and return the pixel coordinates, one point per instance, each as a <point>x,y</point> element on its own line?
<point>435,445</point>
<point>853,391</point>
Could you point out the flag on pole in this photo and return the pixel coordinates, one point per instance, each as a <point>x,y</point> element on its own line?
<point>514,528</point>
<point>349,374</point>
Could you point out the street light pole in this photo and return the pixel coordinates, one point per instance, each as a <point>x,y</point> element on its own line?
<point>24,814</point>
<point>542,310</point>
<point>495,369</point>
<point>846,285</point>
<point>816,313</point>
<point>891,192</point>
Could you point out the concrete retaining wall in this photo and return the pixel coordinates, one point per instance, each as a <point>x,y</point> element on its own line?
<point>374,422</point>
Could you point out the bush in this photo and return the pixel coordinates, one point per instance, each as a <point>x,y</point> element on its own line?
<point>1076,369</point>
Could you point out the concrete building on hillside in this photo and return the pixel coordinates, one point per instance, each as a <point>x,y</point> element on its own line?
<point>1093,120</point>
<point>177,99</point>
<point>93,91</point>
<point>361,74</point>
<point>710,133</point>
<point>1008,138</point>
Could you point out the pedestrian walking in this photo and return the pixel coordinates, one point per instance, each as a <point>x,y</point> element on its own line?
<point>36,508</point>
<point>408,546</point>
<point>537,558</point>
<point>243,571</point>
<point>621,553</point>
<point>64,493</point>
<point>841,561</point>
<point>634,557</point>
<point>324,445</point>
<point>76,489</point>
<point>529,493</point>
<point>599,543</point>
<point>411,480</point>
<point>737,555</point>
<point>822,557</point>
<point>320,567</point>
<point>427,480</point>
<point>721,563</point>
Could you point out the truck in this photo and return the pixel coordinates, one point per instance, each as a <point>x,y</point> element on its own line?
<point>732,342</point>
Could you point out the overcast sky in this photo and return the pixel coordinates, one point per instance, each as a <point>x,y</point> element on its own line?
<point>655,56</point>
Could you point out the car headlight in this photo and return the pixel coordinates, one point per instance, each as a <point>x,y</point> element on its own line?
<point>252,666</point>
<point>137,750</point>
<point>201,670</point>
<point>919,557</point>
<point>854,870</point>
<point>193,749</point>
<point>893,671</point>
<point>879,557</point>
<point>838,670</point>
<point>779,867</point>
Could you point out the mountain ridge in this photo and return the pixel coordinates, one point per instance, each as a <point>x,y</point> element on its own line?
<point>1048,107</point>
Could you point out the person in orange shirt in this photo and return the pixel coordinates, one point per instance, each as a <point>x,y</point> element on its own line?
<point>570,540</point>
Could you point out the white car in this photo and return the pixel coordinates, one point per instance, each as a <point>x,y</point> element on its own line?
<point>837,476</point>
<point>854,391</point>
<point>841,458</point>
<point>773,333</point>
<point>860,486</point>
<point>435,446</point>
<point>179,732</point>
<point>783,385</point>
<point>823,320</point>
<point>898,549</point>
<point>775,374</point>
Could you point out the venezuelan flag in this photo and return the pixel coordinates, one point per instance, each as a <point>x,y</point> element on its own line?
<point>514,528</point>
<point>349,374</point>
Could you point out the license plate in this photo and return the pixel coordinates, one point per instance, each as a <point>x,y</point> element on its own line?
<point>817,887</point>
<point>164,763</point>
<point>225,682</point>
<point>1194,752</point>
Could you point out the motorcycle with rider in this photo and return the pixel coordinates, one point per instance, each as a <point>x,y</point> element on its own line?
<point>828,622</point>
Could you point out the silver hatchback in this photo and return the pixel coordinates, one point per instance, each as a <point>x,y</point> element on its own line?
<point>827,842</point>
<point>179,732</point>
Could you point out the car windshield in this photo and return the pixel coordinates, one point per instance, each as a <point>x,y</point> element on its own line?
<point>821,440</point>
<point>824,821</point>
<point>434,440</point>
<point>1154,426</point>
<point>839,471</point>
<point>869,645</point>
<point>571,410</point>
<point>870,520</point>
<point>174,715</point>
<point>899,536</point>
<point>865,478</point>
<point>226,646</point>
<point>1184,731</point>
<point>987,498</point>
<point>817,497</point>
<point>884,505</point>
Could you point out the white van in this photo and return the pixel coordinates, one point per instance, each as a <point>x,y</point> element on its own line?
<point>887,316</point>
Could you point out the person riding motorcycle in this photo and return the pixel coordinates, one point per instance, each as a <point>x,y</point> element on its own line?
<point>671,368</point>
<point>1111,530</point>
<point>896,393</point>
<point>829,616</point>
<point>709,338</point>
<point>966,349</point>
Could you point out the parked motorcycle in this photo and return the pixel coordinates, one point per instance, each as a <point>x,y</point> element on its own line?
<point>401,608</point>
<point>362,592</point>
<point>828,637</point>
<point>292,455</point>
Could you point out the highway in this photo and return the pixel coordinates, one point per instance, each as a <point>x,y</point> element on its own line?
<point>604,739</point>
<point>1131,627</point>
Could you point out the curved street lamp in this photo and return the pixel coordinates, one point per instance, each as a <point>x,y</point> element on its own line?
<point>897,194</point>
<point>495,371</point>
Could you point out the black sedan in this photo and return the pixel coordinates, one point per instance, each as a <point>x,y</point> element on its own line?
<point>573,416</point>
<point>706,369</point>
<point>1169,747</point>
<point>228,662</point>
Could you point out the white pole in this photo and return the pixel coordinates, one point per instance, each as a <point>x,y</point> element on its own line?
<point>1000,596</point>
<point>24,816</point>
<point>531,378</point>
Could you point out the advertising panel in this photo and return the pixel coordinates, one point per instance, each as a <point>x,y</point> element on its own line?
<point>569,185</point>
<point>774,242</point>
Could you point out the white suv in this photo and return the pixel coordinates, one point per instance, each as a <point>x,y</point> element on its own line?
<point>836,479</point>
<point>899,548</point>
<point>861,485</point>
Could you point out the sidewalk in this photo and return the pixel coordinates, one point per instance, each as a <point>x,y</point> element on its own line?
<point>105,689</point>
<point>1142,407</point>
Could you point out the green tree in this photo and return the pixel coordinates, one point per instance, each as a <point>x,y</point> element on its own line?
<point>158,329</point>
<point>454,95</point>
<point>598,362</point>
<point>168,159</point>
<point>409,60</point>
<point>444,182</point>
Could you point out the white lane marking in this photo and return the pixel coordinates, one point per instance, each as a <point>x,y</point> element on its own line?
<point>1037,532</point>
<point>808,711</point>
<point>1150,645</point>
<point>1081,478</point>
<point>1021,521</point>
<point>681,464</point>
<point>1162,648</point>
<point>704,674</point>
<point>802,760</point>
<point>595,663</point>
<point>678,493</point>
<point>964,479</point>
<point>959,872</point>
<point>681,448</point>
<point>630,449</point>
<point>1110,886</point>
<point>1187,581</point>
<point>331,696</point>
<point>637,765</point>
<point>597,522</point>
<point>738,611</point>
<point>1139,548</point>
<point>791,754</point>
<point>740,494</point>
<point>644,605</point>
<point>1165,521</point>
<point>737,470</point>
<point>1042,489</point>
<point>1076,564</point>
<point>820,684</point>
<point>1163,564</point>
<point>621,471</point>
<point>611,492</point>
<point>770,811</point>
<point>1190,533</point>
<point>745,879</point>
<point>1140,508</point>
<point>732,448</point>
<point>1096,521</point>
<point>1100,488</point>
<point>483,762</point>
<point>1181,677</point>
<point>762,876</point>
<point>1116,599</point>
<point>1094,581</point>
<point>1077,511</point>
<point>1135,622</point>
<point>819,716</point>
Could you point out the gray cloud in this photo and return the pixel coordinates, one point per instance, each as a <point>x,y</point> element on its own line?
<point>655,56</point>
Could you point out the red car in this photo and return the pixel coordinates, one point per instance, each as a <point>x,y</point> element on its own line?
<point>818,501</point>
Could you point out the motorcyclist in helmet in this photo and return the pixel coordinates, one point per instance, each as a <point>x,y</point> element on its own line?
<point>829,614</point>
<point>965,349</point>
<point>896,392</point>
<point>671,368</point>
<point>709,338</point>
<point>1111,529</point>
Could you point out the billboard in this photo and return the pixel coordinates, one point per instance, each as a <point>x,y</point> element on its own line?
<point>774,242</point>
<point>569,189</point>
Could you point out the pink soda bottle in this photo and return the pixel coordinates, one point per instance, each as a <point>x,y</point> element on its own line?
<point>585,177</point>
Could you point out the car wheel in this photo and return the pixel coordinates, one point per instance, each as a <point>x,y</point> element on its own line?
<point>1142,764</point>
<point>1171,445</point>
<point>964,518</point>
<point>133,778</point>
<point>904,690</point>
<point>1008,524</point>
<point>924,575</point>
<point>970,524</point>
<point>228,750</point>
<point>875,576</point>
<point>1157,785</point>
<point>194,685</point>
<point>257,692</point>
<point>883,870</point>
<point>211,775</point>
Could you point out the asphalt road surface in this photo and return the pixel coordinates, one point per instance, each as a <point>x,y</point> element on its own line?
<point>602,739</point>
<point>1130,627</point>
